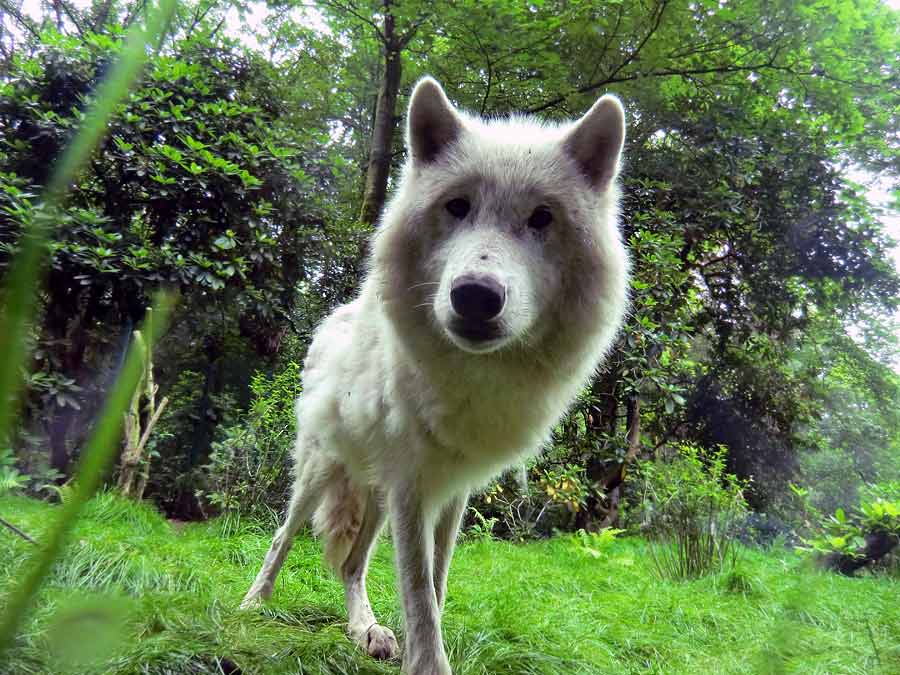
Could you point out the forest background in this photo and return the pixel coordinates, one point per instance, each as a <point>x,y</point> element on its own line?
<point>249,165</point>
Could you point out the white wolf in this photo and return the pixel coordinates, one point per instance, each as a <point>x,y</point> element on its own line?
<point>496,283</point>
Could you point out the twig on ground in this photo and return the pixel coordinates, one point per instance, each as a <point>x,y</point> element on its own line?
<point>17,531</point>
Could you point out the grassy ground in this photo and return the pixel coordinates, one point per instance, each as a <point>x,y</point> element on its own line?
<point>134,595</point>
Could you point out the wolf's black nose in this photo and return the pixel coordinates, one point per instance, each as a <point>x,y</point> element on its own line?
<point>477,298</point>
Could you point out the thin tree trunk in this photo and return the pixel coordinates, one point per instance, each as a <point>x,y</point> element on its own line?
<point>145,467</point>
<point>131,457</point>
<point>379,167</point>
<point>153,414</point>
<point>633,420</point>
<point>135,469</point>
<point>615,478</point>
<point>58,441</point>
<point>601,420</point>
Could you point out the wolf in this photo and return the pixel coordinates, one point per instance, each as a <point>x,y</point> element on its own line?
<point>496,282</point>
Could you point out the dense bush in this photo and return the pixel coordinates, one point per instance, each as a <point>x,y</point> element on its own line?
<point>201,185</point>
<point>249,472</point>
<point>690,508</point>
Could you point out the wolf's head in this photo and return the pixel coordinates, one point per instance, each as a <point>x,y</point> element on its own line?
<point>504,233</point>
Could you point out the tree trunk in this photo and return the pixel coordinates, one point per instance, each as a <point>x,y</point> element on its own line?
<point>617,476</point>
<point>58,440</point>
<point>601,420</point>
<point>380,153</point>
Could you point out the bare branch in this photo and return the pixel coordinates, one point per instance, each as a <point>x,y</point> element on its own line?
<point>150,424</point>
<point>20,18</point>
<point>73,16</point>
<point>15,529</point>
<point>410,33</point>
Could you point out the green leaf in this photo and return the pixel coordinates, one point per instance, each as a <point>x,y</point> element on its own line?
<point>225,243</point>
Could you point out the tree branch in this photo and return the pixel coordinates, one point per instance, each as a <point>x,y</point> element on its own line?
<point>352,11</point>
<point>22,20</point>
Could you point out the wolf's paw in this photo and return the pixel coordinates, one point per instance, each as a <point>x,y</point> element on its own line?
<point>378,642</point>
<point>252,601</point>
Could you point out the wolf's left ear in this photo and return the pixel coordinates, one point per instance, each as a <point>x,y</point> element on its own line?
<point>595,141</point>
<point>432,122</point>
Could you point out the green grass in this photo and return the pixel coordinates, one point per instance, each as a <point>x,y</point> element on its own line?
<point>132,594</point>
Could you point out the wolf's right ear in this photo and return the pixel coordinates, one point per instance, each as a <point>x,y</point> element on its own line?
<point>432,121</point>
<point>595,141</point>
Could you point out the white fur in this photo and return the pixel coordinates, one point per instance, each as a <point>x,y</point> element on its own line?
<point>399,413</point>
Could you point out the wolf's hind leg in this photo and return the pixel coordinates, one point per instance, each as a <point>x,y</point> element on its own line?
<point>306,494</point>
<point>378,641</point>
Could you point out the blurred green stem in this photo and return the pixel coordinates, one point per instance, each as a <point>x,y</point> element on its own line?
<point>96,460</point>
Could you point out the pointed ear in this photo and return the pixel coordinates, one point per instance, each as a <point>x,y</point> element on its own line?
<point>595,141</point>
<point>432,121</point>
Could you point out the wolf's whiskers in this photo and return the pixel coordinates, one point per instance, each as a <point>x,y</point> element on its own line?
<point>424,283</point>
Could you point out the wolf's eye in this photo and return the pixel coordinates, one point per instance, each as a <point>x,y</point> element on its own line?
<point>458,208</point>
<point>540,218</point>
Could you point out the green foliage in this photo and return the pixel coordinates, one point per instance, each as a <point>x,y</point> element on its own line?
<point>10,478</point>
<point>762,281</point>
<point>847,542</point>
<point>690,507</point>
<point>199,186</point>
<point>21,286</point>
<point>481,528</point>
<point>249,470</point>
<point>595,544</point>
<point>530,504</point>
<point>880,515</point>
<point>856,441</point>
<point>95,463</point>
<point>565,486</point>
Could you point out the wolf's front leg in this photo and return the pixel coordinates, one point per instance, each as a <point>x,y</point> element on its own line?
<point>306,494</point>
<point>423,652</point>
<point>444,542</point>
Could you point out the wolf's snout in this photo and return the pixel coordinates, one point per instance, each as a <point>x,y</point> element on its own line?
<point>477,298</point>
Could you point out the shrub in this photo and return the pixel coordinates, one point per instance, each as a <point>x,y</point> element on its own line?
<point>690,509</point>
<point>10,478</point>
<point>864,538</point>
<point>249,468</point>
<point>530,504</point>
<point>481,529</point>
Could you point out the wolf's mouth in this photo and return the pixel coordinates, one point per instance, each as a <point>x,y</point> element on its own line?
<point>480,331</point>
<point>476,337</point>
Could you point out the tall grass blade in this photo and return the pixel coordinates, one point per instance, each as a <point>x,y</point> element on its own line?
<point>96,460</point>
<point>20,292</point>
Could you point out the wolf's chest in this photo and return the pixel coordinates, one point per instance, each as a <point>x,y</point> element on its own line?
<point>486,421</point>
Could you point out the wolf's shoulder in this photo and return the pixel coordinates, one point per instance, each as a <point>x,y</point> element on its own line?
<point>335,333</point>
